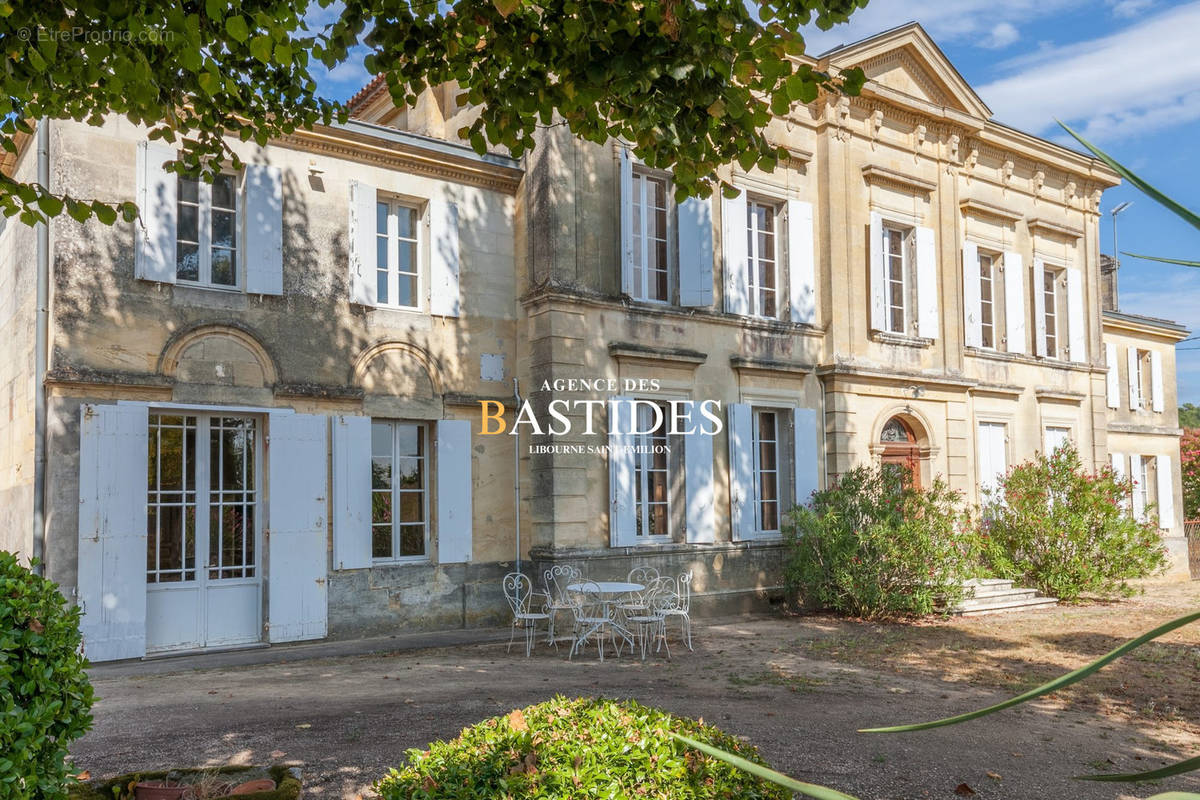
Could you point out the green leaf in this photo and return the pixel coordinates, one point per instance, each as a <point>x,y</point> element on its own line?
<point>1047,688</point>
<point>506,7</point>
<point>1188,216</point>
<point>235,26</point>
<point>260,48</point>
<point>1164,260</point>
<point>104,212</point>
<point>1189,765</point>
<point>766,773</point>
<point>52,205</point>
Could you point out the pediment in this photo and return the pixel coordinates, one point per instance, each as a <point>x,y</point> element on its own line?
<point>906,61</point>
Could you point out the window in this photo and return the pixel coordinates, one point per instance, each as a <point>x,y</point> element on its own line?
<point>772,465</point>
<point>1145,379</point>
<point>203,498</point>
<point>1146,483</point>
<point>399,491</point>
<point>206,231</point>
<point>991,458</point>
<point>1054,437</point>
<point>652,475</point>
<point>895,271</point>
<point>762,257</point>
<point>397,262</point>
<point>650,259</point>
<point>1050,294</point>
<point>987,300</point>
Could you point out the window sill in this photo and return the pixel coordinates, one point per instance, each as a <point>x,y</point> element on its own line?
<point>401,562</point>
<point>900,339</point>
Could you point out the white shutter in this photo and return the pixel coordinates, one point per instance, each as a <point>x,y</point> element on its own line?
<point>801,268</point>
<point>739,429</point>
<point>1120,473</point>
<point>1156,381</point>
<point>1054,437</point>
<point>363,251</point>
<point>698,479</point>
<point>154,232</point>
<point>991,454</point>
<point>1076,324</point>
<point>971,295</point>
<point>454,485</point>
<point>1139,504</point>
<point>1039,307</point>
<point>622,513</point>
<point>112,530</point>
<point>878,280</point>
<point>625,199</point>
<point>297,547</point>
<point>1166,493</point>
<point>351,492</point>
<point>695,252</point>
<point>927,284</point>
<point>262,194</point>
<point>1014,302</point>
<point>1135,385</point>
<point>807,460</point>
<point>1112,384</point>
<point>733,243</point>
<point>444,291</point>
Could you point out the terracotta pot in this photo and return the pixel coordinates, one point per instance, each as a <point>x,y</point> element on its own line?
<point>250,787</point>
<point>158,790</point>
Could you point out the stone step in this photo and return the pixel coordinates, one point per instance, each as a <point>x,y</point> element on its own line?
<point>1028,604</point>
<point>1000,597</point>
<point>988,589</point>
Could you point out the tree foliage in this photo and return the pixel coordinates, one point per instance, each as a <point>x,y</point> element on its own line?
<point>1189,452</point>
<point>1189,416</point>
<point>690,85</point>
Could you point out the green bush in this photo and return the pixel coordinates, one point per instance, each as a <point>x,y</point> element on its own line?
<point>1066,531</point>
<point>45,697</point>
<point>875,546</point>
<point>577,748</point>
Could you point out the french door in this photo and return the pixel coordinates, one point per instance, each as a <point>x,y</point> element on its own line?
<point>204,539</point>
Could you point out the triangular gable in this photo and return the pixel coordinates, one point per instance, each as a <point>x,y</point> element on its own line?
<point>907,61</point>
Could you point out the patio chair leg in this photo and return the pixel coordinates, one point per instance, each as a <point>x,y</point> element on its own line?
<point>512,632</point>
<point>687,627</point>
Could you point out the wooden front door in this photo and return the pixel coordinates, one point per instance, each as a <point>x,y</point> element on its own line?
<point>900,448</point>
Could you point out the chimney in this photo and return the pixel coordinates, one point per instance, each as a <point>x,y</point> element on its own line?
<point>1108,282</point>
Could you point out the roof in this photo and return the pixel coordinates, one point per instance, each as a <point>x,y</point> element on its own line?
<point>1166,325</point>
<point>367,93</point>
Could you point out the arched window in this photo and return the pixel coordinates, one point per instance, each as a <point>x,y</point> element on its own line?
<point>900,448</point>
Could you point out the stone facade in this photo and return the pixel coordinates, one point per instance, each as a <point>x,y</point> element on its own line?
<point>842,371</point>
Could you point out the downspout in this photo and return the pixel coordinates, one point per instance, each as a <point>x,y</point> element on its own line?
<point>517,469</point>
<point>41,346</point>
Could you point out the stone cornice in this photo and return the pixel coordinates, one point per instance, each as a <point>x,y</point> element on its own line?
<point>874,174</point>
<point>978,208</point>
<point>1047,393</point>
<point>1045,227</point>
<point>746,364</point>
<point>675,356</point>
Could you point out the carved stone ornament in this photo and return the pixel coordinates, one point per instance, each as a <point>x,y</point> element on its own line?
<point>876,126</point>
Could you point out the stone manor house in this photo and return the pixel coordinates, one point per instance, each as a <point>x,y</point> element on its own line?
<point>254,416</point>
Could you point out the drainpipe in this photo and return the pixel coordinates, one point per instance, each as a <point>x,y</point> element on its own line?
<point>40,350</point>
<point>517,469</point>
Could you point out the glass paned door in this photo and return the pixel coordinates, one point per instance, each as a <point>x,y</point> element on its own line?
<point>203,576</point>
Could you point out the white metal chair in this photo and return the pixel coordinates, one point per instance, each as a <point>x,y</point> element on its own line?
<point>593,619</point>
<point>651,623</point>
<point>557,579</point>
<point>679,605</point>
<point>518,591</point>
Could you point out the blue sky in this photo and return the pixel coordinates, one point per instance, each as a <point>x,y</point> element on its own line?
<point>1126,73</point>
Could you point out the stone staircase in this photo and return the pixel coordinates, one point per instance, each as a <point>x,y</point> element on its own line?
<point>996,595</point>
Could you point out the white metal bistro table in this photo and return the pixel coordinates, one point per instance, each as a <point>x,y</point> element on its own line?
<point>609,593</point>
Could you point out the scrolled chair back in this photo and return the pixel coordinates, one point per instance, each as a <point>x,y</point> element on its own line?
<point>685,591</point>
<point>558,578</point>
<point>642,575</point>
<point>587,601</point>
<point>517,591</point>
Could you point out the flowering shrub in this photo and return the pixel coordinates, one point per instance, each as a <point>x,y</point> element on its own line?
<point>1066,531</point>
<point>1189,451</point>
<point>875,546</point>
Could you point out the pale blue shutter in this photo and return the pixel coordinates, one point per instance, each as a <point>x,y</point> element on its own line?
<point>972,321</point>
<point>1014,302</point>
<point>738,428</point>
<point>928,313</point>
<point>297,546</point>
<point>445,295</point>
<point>733,245</point>
<point>262,195</point>
<point>878,278</point>
<point>1156,381</point>
<point>695,252</point>
<point>625,202</point>
<point>155,231</point>
<point>622,513</point>
<point>1166,493</point>
<point>698,479</point>
<point>351,492</point>
<point>454,484</point>
<point>1112,382</point>
<point>802,280</point>
<point>363,252</point>
<point>806,444</point>
<point>1076,324</point>
<point>111,562</point>
<point>1039,307</point>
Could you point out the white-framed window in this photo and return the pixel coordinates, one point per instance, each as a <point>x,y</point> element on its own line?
<point>763,238</point>
<point>397,260</point>
<point>1145,380</point>
<point>399,491</point>
<point>1145,483</point>
<point>652,473</point>
<point>1054,437</point>
<point>773,453</point>
<point>1052,308</point>
<point>652,280</point>
<point>206,233</point>
<point>897,253</point>
<point>987,300</point>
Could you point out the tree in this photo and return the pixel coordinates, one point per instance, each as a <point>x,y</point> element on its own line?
<point>1189,416</point>
<point>1189,453</point>
<point>690,85</point>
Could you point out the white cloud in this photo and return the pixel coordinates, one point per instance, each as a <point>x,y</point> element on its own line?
<point>1140,79</point>
<point>1002,35</point>
<point>958,21</point>
<point>1126,9</point>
